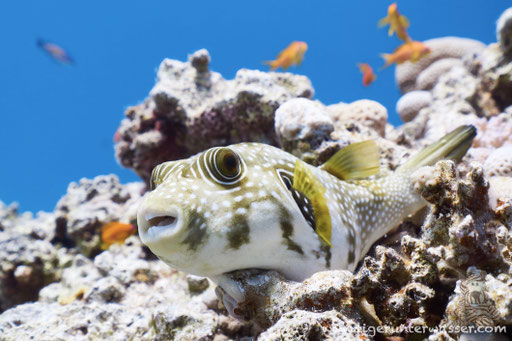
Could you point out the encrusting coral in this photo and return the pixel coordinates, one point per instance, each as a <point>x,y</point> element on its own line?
<point>426,273</point>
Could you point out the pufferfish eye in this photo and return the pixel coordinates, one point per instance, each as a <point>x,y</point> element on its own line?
<point>226,165</point>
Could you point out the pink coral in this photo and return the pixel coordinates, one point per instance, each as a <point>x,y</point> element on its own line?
<point>496,132</point>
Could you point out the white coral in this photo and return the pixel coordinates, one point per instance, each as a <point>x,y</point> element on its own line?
<point>367,112</point>
<point>500,162</point>
<point>411,103</point>
<point>406,74</point>
<point>302,119</point>
<point>504,31</point>
<point>428,77</point>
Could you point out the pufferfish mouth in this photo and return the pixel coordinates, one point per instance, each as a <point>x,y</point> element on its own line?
<point>158,225</point>
<point>161,221</point>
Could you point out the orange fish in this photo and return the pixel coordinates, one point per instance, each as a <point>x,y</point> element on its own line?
<point>115,232</point>
<point>293,54</point>
<point>410,51</point>
<point>368,75</point>
<point>55,51</point>
<point>396,22</point>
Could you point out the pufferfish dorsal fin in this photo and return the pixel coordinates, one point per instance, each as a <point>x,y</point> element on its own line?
<point>305,182</point>
<point>355,161</point>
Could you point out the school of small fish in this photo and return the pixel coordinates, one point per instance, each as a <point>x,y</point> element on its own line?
<point>410,50</point>
<point>293,54</point>
<point>251,205</point>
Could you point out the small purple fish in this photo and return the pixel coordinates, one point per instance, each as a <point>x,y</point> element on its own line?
<point>55,51</point>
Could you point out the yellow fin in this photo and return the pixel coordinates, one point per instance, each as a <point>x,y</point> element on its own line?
<point>383,22</point>
<point>355,161</point>
<point>403,21</point>
<point>305,182</point>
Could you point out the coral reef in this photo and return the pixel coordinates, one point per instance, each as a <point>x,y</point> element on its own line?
<point>192,108</point>
<point>408,74</point>
<point>314,132</point>
<point>449,265</point>
<point>28,261</point>
<point>34,251</point>
<point>89,204</point>
<point>123,293</point>
<point>475,91</point>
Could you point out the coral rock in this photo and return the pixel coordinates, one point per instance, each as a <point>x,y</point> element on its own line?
<point>504,31</point>
<point>267,296</point>
<point>306,325</point>
<point>411,103</point>
<point>406,74</point>
<point>302,123</point>
<point>123,294</point>
<point>191,109</point>
<point>314,132</point>
<point>500,162</point>
<point>428,77</point>
<point>495,132</point>
<point>91,203</point>
<point>366,112</point>
<point>475,302</point>
<point>28,261</point>
<point>495,81</point>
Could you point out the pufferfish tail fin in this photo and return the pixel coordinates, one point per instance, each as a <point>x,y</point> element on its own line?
<point>452,146</point>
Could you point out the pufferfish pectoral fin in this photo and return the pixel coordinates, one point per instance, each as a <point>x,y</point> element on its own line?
<point>355,161</point>
<point>305,182</point>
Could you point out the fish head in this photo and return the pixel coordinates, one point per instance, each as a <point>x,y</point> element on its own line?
<point>423,49</point>
<point>302,47</point>
<point>225,209</point>
<point>392,9</point>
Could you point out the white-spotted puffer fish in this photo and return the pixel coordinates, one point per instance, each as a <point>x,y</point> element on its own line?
<point>251,205</point>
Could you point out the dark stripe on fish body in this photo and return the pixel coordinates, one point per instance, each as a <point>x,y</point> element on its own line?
<point>351,250</point>
<point>196,235</point>
<point>287,230</point>
<point>327,251</point>
<point>238,235</point>
<point>351,239</point>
